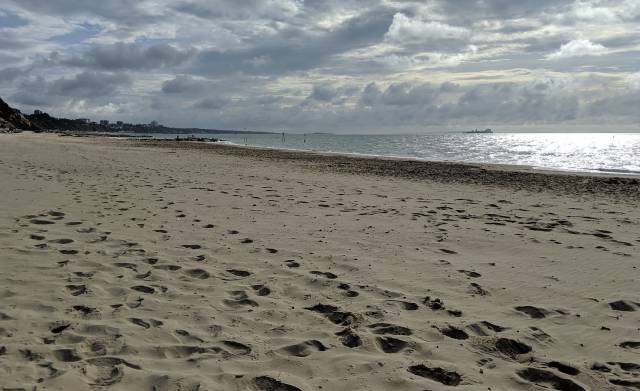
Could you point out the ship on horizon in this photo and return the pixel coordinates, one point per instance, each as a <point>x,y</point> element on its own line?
<point>476,131</point>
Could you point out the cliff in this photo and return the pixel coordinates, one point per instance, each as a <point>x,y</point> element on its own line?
<point>11,118</point>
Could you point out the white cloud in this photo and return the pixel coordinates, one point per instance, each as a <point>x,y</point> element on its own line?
<point>634,80</point>
<point>602,11</point>
<point>578,48</point>
<point>404,29</point>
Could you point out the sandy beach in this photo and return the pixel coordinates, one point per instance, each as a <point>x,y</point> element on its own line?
<point>140,265</point>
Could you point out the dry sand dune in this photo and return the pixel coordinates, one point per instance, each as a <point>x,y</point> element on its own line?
<point>127,267</point>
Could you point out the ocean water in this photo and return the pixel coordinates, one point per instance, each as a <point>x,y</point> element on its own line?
<point>584,152</point>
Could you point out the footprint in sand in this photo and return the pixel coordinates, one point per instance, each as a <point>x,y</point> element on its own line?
<point>66,355</point>
<point>440,375</point>
<point>143,289</point>
<point>406,305</point>
<point>630,345</point>
<point>484,328</point>
<point>564,368</point>
<point>266,383</point>
<point>77,290</point>
<point>192,246</point>
<point>239,273</point>
<point>543,378</point>
<point>476,289</point>
<point>534,312</point>
<point>291,263</point>
<point>328,275</point>
<point>455,333</point>
<point>41,222</point>
<point>511,348</point>
<point>349,338</point>
<point>199,274</point>
<point>622,305</point>
<point>240,299</point>
<point>171,268</point>
<point>261,290</point>
<point>470,273</point>
<point>304,349</point>
<point>237,348</point>
<point>59,327</point>
<point>146,324</point>
<point>86,311</point>
<point>106,371</point>
<point>61,241</point>
<point>388,328</point>
<point>391,344</point>
<point>332,313</point>
<point>348,292</point>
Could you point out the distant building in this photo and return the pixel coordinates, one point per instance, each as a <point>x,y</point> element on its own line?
<point>38,112</point>
<point>119,123</point>
<point>153,123</point>
<point>83,120</point>
<point>104,122</point>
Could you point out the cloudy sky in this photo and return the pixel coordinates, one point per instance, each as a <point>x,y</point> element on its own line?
<point>326,65</point>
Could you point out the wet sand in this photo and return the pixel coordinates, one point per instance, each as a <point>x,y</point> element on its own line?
<point>142,265</point>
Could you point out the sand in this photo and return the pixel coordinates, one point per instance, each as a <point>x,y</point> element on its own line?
<point>137,266</point>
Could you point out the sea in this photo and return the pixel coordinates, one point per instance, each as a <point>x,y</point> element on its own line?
<point>617,153</point>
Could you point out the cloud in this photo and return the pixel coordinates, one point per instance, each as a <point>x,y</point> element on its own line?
<point>91,86</point>
<point>122,11</point>
<point>247,9</point>
<point>212,103</point>
<point>633,81</point>
<point>296,49</point>
<point>12,73</point>
<point>88,84</point>
<point>578,48</point>
<point>181,84</point>
<point>131,56</point>
<point>337,65</point>
<point>404,29</point>
<point>323,93</point>
<point>500,9</point>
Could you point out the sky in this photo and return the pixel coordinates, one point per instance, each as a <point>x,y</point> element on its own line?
<point>343,66</point>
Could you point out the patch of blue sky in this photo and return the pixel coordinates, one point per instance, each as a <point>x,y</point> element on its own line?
<point>9,19</point>
<point>81,33</point>
<point>146,41</point>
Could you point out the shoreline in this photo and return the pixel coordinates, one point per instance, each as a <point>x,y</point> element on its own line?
<point>512,176</point>
<point>494,166</point>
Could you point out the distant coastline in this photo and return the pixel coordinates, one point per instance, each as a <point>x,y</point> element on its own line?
<point>13,119</point>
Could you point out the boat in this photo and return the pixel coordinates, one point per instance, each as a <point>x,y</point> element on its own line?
<point>486,131</point>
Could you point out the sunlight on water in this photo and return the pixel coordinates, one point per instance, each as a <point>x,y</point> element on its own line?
<point>594,152</point>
